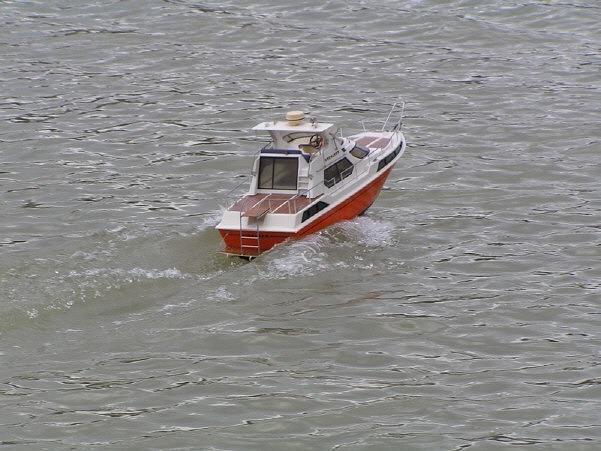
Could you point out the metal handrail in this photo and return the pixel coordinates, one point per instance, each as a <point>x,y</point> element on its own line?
<point>399,123</point>
<point>230,193</point>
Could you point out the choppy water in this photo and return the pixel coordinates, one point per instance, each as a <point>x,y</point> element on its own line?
<point>463,312</point>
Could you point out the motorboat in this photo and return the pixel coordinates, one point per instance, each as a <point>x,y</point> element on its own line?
<point>307,178</point>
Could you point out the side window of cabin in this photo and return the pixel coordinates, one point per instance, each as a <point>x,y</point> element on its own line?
<point>359,152</point>
<point>337,172</point>
<point>278,173</point>
<point>391,156</point>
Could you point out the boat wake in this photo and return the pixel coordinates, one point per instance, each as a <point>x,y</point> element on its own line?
<point>367,231</point>
<point>303,257</point>
<point>332,249</point>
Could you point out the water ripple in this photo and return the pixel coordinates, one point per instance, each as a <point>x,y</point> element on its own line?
<point>461,311</point>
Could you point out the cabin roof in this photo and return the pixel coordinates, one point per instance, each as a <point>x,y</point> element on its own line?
<point>283,126</point>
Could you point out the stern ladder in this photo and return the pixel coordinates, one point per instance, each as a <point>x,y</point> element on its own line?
<point>250,241</point>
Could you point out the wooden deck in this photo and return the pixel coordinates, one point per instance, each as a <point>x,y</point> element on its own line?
<point>258,205</point>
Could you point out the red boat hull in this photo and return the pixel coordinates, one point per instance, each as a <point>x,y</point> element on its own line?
<point>348,209</point>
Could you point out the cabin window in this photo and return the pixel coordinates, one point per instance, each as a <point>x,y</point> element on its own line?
<point>391,156</point>
<point>294,136</point>
<point>359,152</point>
<point>313,210</point>
<point>278,173</point>
<point>337,172</point>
